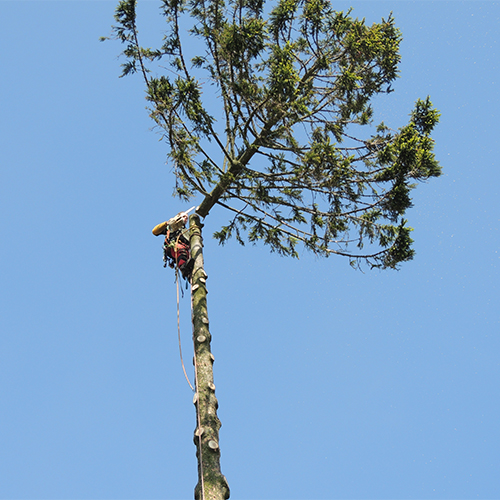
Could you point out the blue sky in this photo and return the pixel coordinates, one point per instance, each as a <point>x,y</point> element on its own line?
<point>332,383</point>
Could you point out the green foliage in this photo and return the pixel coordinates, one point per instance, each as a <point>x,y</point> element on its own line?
<point>290,152</point>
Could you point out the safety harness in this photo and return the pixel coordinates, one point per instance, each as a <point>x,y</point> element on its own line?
<point>176,248</point>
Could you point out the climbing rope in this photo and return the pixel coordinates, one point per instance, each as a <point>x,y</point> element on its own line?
<point>179,329</point>
<point>196,391</point>
<point>197,396</point>
<point>179,315</point>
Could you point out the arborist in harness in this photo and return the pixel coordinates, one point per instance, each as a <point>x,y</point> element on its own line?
<point>176,248</point>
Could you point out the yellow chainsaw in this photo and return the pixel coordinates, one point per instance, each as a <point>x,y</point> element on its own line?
<point>173,224</point>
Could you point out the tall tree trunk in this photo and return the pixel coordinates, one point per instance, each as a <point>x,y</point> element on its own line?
<point>212,485</point>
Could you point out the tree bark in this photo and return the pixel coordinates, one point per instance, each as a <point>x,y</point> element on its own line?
<point>212,485</point>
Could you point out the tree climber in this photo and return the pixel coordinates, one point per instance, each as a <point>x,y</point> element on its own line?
<point>176,248</point>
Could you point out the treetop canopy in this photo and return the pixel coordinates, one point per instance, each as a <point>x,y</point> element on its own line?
<point>291,150</point>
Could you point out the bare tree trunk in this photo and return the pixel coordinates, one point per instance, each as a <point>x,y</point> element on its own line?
<point>212,485</point>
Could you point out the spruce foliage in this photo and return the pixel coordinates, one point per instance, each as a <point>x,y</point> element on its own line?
<point>290,148</point>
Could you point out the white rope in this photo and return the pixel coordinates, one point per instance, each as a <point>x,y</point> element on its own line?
<point>179,329</point>
<point>197,404</point>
